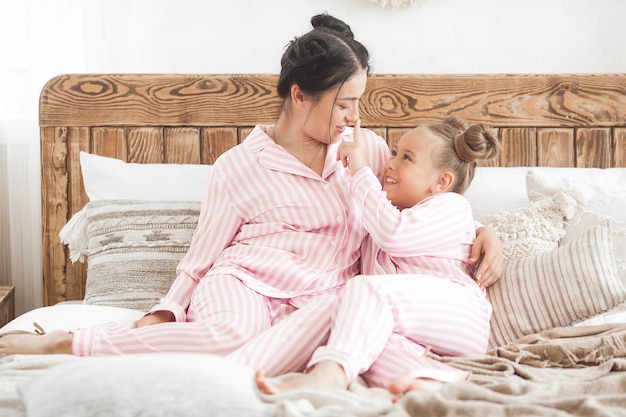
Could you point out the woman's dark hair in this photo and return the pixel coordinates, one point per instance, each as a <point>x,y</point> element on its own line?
<point>321,59</point>
<point>463,145</point>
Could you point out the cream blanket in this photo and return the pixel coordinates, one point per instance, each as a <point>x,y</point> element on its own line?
<point>16,370</point>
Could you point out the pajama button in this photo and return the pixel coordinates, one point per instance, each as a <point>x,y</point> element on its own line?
<point>339,219</point>
<point>325,187</point>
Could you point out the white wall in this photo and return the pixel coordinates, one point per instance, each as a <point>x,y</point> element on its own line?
<point>429,36</point>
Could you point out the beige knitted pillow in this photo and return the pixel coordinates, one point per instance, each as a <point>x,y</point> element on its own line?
<point>537,227</point>
<point>133,248</point>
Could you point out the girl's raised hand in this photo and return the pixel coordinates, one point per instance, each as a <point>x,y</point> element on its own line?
<point>352,154</point>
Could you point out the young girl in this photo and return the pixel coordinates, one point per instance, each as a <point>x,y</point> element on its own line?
<point>421,229</point>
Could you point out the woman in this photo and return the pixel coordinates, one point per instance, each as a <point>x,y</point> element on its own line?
<point>278,231</point>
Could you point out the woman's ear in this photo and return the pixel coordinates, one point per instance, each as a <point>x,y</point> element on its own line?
<point>297,96</point>
<point>445,181</point>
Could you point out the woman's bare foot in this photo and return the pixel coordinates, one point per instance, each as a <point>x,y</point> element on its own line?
<point>325,376</point>
<point>32,344</point>
<point>401,386</point>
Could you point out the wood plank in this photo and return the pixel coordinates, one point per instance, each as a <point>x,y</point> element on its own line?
<point>555,147</point>
<point>593,147</point>
<point>243,133</point>
<point>215,141</point>
<point>109,142</point>
<point>54,202</point>
<point>146,145</point>
<point>619,147</point>
<point>76,272</point>
<point>78,140</point>
<point>182,145</point>
<point>518,100</point>
<point>519,147</point>
<point>149,99</point>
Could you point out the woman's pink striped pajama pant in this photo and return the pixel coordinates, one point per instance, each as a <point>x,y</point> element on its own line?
<point>377,330</point>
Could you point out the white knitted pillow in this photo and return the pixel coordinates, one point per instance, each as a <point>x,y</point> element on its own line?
<point>537,227</point>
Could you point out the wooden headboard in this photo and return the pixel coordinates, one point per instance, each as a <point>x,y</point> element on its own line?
<point>542,120</point>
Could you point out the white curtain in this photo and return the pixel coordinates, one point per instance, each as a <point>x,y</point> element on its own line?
<point>40,39</point>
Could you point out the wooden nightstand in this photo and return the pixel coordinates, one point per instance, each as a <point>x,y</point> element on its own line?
<point>7,305</point>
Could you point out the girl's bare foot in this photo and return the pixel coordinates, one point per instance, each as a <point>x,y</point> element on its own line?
<point>325,376</point>
<point>32,344</point>
<point>401,386</point>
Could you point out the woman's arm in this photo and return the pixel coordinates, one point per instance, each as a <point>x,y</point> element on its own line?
<point>487,255</point>
<point>217,226</point>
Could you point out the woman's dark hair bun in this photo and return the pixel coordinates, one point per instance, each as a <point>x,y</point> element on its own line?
<point>327,21</point>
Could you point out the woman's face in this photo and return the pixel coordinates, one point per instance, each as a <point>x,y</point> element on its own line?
<point>336,109</point>
<point>410,174</point>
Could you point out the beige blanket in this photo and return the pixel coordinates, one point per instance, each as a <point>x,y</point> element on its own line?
<point>573,371</point>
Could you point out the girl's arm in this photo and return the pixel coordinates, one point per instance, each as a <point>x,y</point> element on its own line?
<point>486,251</point>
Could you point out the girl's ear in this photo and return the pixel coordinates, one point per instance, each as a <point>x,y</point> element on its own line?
<point>297,96</point>
<point>445,181</point>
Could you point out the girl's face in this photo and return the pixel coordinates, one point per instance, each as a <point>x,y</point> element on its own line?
<point>336,109</point>
<point>410,175</point>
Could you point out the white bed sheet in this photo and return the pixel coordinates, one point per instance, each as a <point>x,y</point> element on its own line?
<point>71,316</point>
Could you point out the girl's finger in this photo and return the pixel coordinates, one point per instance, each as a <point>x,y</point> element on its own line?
<point>357,131</point>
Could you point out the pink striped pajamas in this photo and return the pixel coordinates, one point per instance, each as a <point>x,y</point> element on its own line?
<point>272,237</point>
<point>384,323</point>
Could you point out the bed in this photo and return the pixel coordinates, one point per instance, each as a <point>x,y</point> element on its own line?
<point>123,161</point>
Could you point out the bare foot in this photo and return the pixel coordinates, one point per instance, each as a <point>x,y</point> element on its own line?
<point>32,344</point>
<point>402,386</point>
<point>325,376</point>
<point>264,385</point>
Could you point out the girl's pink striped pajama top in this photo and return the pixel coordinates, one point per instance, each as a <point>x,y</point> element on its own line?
<point>416,293</point>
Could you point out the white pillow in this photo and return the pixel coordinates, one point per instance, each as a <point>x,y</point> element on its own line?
<point>146,385</point>
<point>599,184</point>
<point>113,179</point>
<point>504,188</point>
<point>497,188</point>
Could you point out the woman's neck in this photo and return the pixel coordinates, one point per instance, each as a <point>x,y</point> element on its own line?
<point>307,150</point>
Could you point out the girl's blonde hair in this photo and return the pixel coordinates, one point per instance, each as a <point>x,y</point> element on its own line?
<point>462,146</point>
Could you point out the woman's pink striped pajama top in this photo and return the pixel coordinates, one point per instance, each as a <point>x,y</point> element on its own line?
<point>272,237</point>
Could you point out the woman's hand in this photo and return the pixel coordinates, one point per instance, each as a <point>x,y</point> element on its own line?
<point>154,318</point>
<point>487,254</point>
